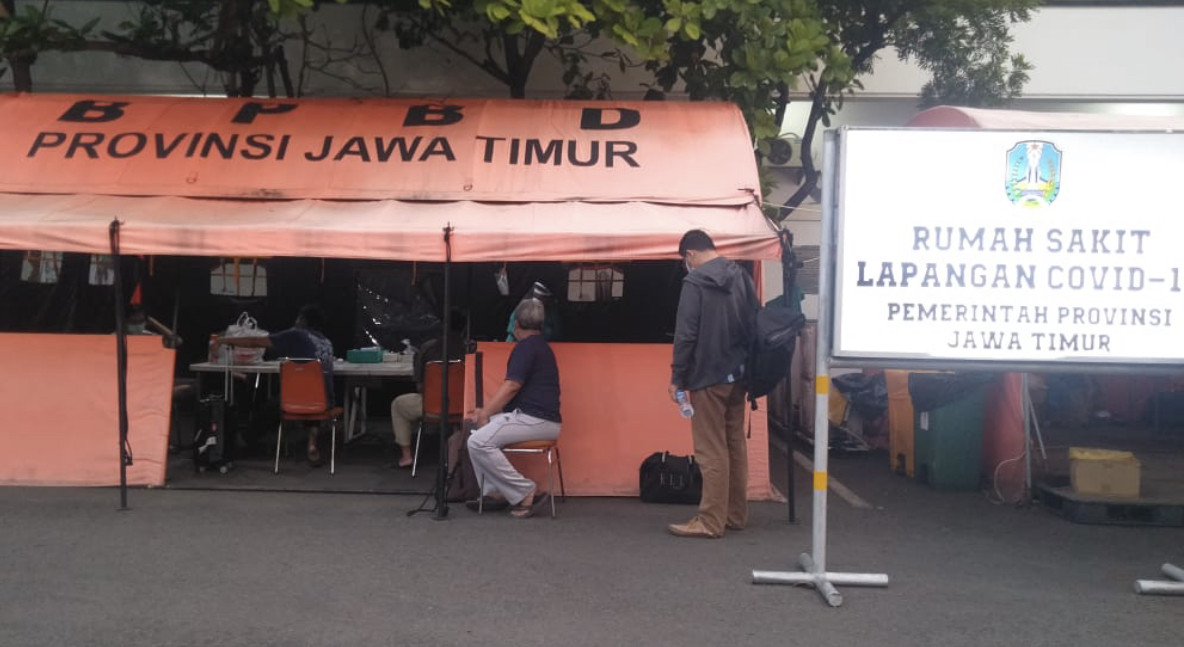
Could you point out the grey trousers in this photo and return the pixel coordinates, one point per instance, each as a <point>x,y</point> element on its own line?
<point>491,465</point>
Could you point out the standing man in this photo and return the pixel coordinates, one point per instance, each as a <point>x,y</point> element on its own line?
<point>716,310</point>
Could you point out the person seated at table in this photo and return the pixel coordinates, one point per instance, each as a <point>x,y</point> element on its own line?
<point>137,322</point>
<point>407,409</point>
<point>304,340</point>
<point>525,407</point>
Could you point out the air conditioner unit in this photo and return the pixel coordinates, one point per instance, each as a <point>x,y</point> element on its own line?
<point>781,154</point>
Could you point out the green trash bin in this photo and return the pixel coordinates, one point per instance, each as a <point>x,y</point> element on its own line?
<point>948,436</point>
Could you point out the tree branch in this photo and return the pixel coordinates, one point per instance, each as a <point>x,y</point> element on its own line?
<point>809,173</point>
<point>486,66</point>
<point>818,98</point>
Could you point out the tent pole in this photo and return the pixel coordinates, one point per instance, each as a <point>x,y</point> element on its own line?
<point>120,363</point>
<point>789,282</point>
<point>442,468</point>
<point>813,564</point>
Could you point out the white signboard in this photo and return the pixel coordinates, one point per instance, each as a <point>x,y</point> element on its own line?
<point>1010,246</point>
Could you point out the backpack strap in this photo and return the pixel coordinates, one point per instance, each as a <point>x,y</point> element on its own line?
<point>752,341</point>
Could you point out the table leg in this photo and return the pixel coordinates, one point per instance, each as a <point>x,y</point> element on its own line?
<point>365,411</point>
<point>349,410</point>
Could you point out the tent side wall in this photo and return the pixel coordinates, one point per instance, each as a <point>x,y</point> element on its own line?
<point>616,412</point>
<point>58,396</point>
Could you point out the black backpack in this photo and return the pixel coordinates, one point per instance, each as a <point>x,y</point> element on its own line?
<point>775,333</point>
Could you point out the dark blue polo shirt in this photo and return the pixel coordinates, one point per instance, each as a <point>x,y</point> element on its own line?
<point>532,364</point>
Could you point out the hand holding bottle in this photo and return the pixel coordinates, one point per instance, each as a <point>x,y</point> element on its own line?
<point>684,403</point>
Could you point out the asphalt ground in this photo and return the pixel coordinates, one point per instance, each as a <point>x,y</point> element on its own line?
<point>260,568</point>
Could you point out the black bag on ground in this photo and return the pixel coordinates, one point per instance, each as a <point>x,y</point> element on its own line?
<point>212,448</point>
<point>666,478</point>
<point>462,480</point>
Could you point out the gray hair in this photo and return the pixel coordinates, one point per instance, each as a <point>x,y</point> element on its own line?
<point>529,314</point>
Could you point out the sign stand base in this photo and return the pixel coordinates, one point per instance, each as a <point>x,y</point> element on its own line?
<point>824,583</point>
<point>1160,587</point>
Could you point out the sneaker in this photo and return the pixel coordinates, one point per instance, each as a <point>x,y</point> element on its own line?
<point>692,528</point>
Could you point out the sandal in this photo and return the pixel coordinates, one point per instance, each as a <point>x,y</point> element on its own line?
<point>536,506</point>
<point>522,510</point>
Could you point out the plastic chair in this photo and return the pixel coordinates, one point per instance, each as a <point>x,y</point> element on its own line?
<point>302,397</point>
<point>433,382</point>
<point>548,448</point>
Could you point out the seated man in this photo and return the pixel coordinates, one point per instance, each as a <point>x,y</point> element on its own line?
<point>528,402</point>
<point>407,409</point>
<point>304,340</point>
<point>137,322</point>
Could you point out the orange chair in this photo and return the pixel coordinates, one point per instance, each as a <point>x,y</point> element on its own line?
<point>302,397</point>
<point>433,382</point>
<point>548,448</point>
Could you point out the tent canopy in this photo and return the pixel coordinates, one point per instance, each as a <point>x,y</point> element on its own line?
<point>377,178</point>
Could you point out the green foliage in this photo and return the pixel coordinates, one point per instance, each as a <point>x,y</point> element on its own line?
<point>962,43</point>
<point>33,30</point>
<point>965,45</point>
<point>749,52</point>
<point>550,18</point>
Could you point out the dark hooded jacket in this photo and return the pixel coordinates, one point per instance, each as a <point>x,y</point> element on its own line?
<point>711,334</point>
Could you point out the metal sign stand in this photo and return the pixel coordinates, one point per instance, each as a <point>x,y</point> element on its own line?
<point>813,564</point>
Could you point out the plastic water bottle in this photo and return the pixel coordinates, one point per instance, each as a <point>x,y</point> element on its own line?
<point>684,404</point>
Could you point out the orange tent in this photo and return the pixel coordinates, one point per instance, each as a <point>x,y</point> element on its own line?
<point>377,179</point>
<point>369,178</point>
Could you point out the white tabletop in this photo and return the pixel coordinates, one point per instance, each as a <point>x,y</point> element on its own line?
<point>340,367</point>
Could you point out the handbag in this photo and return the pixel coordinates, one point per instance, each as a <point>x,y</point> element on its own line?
<point>244,326</point>
<point>668,478</point>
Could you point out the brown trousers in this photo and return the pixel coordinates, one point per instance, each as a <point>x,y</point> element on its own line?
<point>721,450</point>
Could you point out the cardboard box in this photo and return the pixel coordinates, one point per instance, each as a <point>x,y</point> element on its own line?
<point>1104,472</point>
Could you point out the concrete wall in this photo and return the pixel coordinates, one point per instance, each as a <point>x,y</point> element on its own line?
<point>1109,54</point>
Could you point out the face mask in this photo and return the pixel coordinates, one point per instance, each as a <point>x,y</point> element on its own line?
<point>687,264</point>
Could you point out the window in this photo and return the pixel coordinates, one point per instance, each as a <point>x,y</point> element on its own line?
<point>239,277</point>
<point>102,269</point>
<point>41,267</point>
<point>595,283</point>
